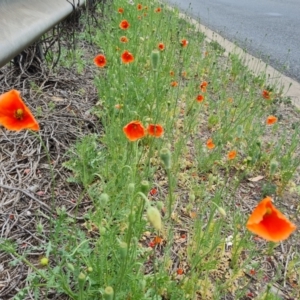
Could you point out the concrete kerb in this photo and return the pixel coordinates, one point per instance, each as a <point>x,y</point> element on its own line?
<point>290,88</point>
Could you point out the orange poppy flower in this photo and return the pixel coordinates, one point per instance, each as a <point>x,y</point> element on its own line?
<point>124,25</point>
<point>120,10</point>
<point>209,144</point>
<point>200,98</point>
<point>203,86</point>
<point>158,10</point>
<point>271,120</point>
<point>139,7</point>
<point>266,94</point>
<point>100,61</point>
<point>155,130</point>
<point>134,130</point>
<point>123,39</point>
<point>157,240</point>
<point>14,114</point>
<point>161,46</point>
<point>127,57</point>
<point>269,223</point>
<point>184,43</point>
<point>174,83</point>
<point>231,154</point>
<point>179,271</point>
<point>172,73</point>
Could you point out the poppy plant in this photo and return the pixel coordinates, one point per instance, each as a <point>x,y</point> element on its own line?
<point>266,94</point>
<point>155,130</point>
<point>124,25</point>
<point>172,73</point>
<point>231,154</point>
<point>200,98</point>
<point>269,223</point>
<point>134,130</point>
<point>158,10</point>
<point>127,57</point>
<point>184,43</point>
<point>271,120</point>
<point>100,61</point>
<point>14,114</point>
<point>139,7</point>
<point>203,86</point>
<point>120,10</point>
<point>161,46</point>
<point>174,83</point>
<point>123,39</point>
<point>210,144</point>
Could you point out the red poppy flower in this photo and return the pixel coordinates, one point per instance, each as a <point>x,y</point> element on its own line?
<point>100,60</point>
<point>155,130</point>
<point>184,43</point>
<point>123,39</point>
<point>14,114</point>
<point>127,57</point>
<point>231,154</point>
<point>153,191</point>
<point>161,46</point>
<point>269,223</point>
<point>200,98</point>
<point>134,130</point>
<point>158,10</point>
<point>139,7</point>
<point>203,86</point>
<point>124,25</point>
<point>210,144</point>
<point>266,94</point>
<point>271,120</point>
<point>120,10</point>
<point>174,83</point>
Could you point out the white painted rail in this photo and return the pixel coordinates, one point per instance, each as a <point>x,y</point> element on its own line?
<point>22,22</point>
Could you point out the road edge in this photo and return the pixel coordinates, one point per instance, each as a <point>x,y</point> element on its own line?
<point>289,87</point>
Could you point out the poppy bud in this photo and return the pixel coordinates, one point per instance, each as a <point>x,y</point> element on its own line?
<point>81,277</point>
<point>108,293</point>
<point>273,167</point>
<point>102,230</point>
<point>103,199</point>
<point>154,217</point>
<point>160,205</point>
<point>44,261</point>
<point>123,249</point>
<point>70,267</point>
<point>165,156</point>
<point>89,269</point>
<point>145,187</point>
<point>154,59</point>
<point>222,211</point>
<point>131,187</point>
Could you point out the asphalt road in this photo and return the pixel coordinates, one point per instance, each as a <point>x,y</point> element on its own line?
<point>267,29</point>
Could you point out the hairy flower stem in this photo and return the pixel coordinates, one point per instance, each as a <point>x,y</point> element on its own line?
<point>170,204</point>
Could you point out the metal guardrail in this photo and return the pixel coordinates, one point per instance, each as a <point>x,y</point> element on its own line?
<point>22,22</point>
